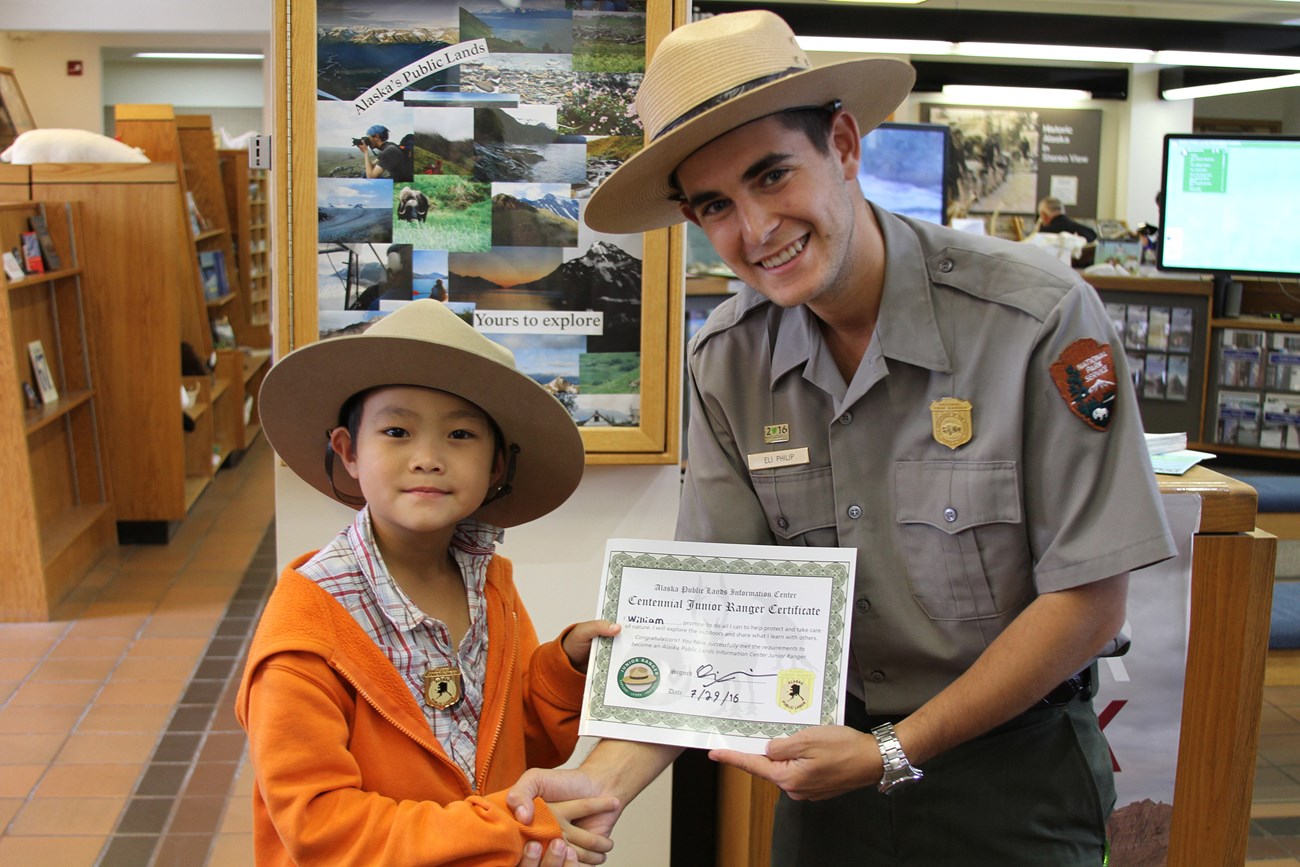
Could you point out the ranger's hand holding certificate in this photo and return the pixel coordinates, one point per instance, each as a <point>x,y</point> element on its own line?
<point>722,645</point>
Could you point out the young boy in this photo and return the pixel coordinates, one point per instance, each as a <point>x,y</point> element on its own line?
<point>395,687</point>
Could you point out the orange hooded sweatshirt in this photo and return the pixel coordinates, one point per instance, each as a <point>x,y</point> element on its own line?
<point>347,768</point>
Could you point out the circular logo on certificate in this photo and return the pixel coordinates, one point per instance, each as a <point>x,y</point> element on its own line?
<point>638,677</point>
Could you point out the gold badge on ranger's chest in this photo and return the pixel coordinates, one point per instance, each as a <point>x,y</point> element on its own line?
<point>442,687</point>
<point>951,422</point>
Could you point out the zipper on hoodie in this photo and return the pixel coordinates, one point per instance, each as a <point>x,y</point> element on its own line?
<point>505,698</point>
<point>437,754</point>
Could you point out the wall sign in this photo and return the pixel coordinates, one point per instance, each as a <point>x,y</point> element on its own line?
<point>1004,160</point>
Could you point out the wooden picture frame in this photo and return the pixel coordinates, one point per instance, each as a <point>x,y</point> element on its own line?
<point>15,116</point>
<point>648,435</point>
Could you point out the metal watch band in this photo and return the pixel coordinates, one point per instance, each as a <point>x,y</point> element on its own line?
<point>898,770</point>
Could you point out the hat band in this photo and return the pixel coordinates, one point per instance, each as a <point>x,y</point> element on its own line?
<point>724,96</point>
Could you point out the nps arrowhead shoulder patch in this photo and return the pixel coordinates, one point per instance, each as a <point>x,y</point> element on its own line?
<point>1085,376</point>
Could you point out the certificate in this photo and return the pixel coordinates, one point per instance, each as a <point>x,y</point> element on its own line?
<point>722,645</point>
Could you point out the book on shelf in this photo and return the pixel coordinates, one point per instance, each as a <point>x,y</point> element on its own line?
<point>1237,415</point>
<point>48,251</point>
<point>212,267</point>
<point>198,222</point>
<point>1181,329</point>
<point>1153,377</point>
<point>1283,362</point>
<point>1158,329</point>
<point>1281,426</point>
<point>1135,327</point>
<point>1241,358</point>
<point>13,268</point>
<point>1178,376</point>
<point>41,370</point>
<point>31,248</point>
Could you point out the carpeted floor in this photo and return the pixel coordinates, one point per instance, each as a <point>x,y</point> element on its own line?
<point>1284,631</point>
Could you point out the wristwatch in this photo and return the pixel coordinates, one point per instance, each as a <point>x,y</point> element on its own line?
<point>898,770</point>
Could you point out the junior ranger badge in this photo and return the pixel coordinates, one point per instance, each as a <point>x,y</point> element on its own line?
<point>442,687</point>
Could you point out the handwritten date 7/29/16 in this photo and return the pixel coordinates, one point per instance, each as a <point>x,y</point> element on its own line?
<point>715,696</point>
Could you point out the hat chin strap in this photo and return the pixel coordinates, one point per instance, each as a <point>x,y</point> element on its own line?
<point>505,488</point>
<point>346,499</point>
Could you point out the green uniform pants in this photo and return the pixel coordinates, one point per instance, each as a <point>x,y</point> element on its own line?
<point>1036,791</point>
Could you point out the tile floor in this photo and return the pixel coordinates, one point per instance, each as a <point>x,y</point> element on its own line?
<point>118,745</point>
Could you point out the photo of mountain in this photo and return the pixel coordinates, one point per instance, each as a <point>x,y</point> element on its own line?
<point>534,215</point>
<point>358,42</point>
<point>519,30</point>
<point>354,210</point>
<point>444,141</point>
<point>524,145</point>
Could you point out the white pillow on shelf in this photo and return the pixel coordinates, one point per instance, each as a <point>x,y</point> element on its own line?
<point>69,146</point>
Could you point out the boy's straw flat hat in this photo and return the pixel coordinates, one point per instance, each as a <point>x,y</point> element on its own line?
<point>423,343</point>
<point>711,76</point>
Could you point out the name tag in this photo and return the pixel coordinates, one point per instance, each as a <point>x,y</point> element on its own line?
<point>776,460</point>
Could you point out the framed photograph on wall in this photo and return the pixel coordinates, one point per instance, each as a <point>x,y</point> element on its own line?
<point>15,116</point>
<point>455,163</point>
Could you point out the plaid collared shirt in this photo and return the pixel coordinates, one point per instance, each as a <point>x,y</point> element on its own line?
<point>352,571</point>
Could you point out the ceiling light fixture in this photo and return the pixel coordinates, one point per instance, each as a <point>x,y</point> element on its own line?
<point>979,94</point>
<point>1226,88</point>
<point>1018,51</point>
<point>1230,61</point>
<point>860,45</point>
<point>1025,51</point>
<point>195,55</point>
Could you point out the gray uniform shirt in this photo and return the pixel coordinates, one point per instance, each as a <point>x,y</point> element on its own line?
<point>952,543</point>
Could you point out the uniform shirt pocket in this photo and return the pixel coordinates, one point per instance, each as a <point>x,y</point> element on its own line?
<point>961,531</point>
<point>799,505</point>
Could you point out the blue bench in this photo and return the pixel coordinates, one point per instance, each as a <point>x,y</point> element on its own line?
<point>1278,512</point>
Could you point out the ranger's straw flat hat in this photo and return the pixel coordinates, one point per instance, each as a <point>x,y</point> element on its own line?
<point>423,343</point>
<point>711,76</point>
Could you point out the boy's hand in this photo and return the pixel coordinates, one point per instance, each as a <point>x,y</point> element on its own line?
<point>557,854</point>
<point>588,847</point>
<point>577,643</point>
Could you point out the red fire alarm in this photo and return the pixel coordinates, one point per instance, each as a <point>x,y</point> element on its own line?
<point>74,67</point>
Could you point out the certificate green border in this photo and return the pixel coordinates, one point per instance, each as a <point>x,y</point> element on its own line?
<point>619,560</point>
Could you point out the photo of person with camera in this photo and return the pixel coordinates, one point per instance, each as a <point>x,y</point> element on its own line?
<point>383,158</point>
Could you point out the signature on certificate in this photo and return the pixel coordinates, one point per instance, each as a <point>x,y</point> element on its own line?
<point>710,675</point>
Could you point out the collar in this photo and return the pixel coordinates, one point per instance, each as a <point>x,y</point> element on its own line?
<point>906,329</point>
<point>472,546</point>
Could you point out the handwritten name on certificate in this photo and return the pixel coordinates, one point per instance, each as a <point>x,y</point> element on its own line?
<point>722,645</point>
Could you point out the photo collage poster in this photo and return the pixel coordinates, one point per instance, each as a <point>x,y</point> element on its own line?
<point>1158,346</point>
<point>498,121</point>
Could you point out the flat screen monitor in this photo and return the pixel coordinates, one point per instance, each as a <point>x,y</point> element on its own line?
<point>1230,204</point>
<point>903,169</point>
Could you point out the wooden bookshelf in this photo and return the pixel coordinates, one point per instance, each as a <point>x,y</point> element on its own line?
<point>246,206</point>
<point>15,183</point>
<point>142,303</point>
<point>57,493</point>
